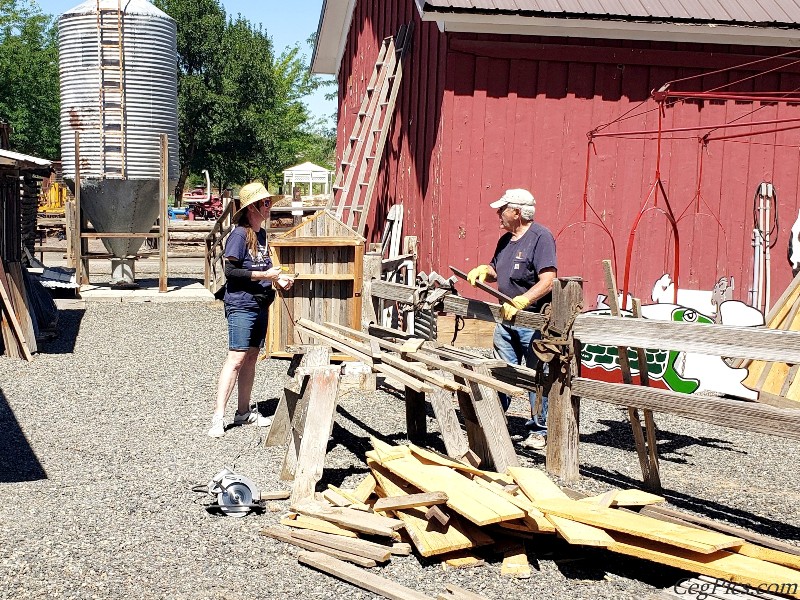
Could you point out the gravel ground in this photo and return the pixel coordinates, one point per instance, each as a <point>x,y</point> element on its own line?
<point>103,436</point>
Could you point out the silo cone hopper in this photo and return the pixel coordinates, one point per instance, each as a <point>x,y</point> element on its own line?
<point>119,94</point>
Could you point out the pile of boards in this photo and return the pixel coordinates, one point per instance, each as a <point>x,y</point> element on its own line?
<point>447,509</point>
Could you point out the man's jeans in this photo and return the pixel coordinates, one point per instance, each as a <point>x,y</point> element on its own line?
<point>513,345</point>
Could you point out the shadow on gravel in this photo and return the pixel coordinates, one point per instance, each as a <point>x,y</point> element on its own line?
<point>69,324</point>
<point>703,506</point>
<point>671,446</point>
<point>18,461</point>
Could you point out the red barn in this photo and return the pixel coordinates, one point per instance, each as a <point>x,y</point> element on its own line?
<point>499,94</point>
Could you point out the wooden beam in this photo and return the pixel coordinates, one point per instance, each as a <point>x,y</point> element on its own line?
<point>288,537</point>
<point>482,286</point>
<point>359,577</point>
<point>718,340</point>
<point>410,501</point>
<point>356,520</point>
<point>735,414</point>
<point>359,547</point>
<point>322,392</point>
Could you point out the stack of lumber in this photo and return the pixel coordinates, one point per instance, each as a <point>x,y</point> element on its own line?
<point>17,325</point>
<point>777,382</point>
<point>453,512</point>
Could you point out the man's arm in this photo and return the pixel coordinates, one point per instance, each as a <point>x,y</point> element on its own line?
<point>542,287</point>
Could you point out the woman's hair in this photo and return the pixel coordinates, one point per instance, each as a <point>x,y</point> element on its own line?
<point>250,236</point>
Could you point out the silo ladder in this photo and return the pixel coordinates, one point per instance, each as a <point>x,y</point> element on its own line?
<point>112,91</point>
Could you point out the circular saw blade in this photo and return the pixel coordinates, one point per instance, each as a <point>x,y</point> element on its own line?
<point>236,500</point>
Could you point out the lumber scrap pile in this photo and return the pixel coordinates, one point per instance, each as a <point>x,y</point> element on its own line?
<point>455,513</point>
<point>17,318</point>
<point>777,382</point>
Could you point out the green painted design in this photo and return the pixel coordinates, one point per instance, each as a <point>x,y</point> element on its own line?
<point>660,363</point>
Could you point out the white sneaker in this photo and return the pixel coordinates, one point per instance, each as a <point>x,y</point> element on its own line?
<point>251,416</point>
<point>217,427</point>
<point>264,421</point>
<point>534,441</point>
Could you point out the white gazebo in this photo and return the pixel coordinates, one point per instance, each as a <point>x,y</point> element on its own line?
<point>310,175</point>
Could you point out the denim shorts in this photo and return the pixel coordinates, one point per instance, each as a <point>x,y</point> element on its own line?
<point>247,327</point>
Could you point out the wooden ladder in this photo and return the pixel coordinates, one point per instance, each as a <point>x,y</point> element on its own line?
<point>357,173</point>
<point>111,61</point>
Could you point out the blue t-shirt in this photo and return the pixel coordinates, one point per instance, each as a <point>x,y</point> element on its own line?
<point>518,263</point>
<point>242,293</point>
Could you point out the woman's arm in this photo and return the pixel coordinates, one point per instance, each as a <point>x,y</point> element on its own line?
<point>234,270</point>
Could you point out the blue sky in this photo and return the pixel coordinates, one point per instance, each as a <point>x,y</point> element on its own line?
<point>286,22</point>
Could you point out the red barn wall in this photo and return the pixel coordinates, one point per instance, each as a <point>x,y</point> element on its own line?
<point>478,114</point>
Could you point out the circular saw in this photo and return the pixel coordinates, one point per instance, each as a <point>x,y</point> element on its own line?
<point>236,495</point>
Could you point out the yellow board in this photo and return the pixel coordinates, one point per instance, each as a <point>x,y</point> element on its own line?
<point>466,497</point>
<point>627,498</point>
<point>697,540</point>
<point>304,522</point>
<point>723,565</point>
<point>429,540</point>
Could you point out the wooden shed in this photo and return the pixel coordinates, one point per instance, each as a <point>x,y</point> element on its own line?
<point>499,95</point>
<point>327,259</point>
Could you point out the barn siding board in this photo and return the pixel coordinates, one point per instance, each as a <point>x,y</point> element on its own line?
<point>476,116</point>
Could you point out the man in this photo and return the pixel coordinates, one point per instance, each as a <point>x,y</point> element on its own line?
<point>524,267</point>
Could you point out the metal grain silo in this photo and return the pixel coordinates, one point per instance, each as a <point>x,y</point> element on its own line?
<point>118,71</point>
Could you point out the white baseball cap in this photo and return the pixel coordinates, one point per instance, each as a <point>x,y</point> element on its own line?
<point>517,197</point>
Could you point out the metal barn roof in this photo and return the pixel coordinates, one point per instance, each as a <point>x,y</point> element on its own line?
<point>730,12</point>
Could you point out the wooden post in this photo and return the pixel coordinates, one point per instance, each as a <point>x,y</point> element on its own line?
<point>77,223</point>
<point>564,409</point>
<point>163,238</point>
<point>322,390</point>
<point>650,477</point>
<point>371,269</point>
<point>416,425</point>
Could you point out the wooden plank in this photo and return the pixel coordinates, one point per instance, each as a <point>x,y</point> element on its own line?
<point>751,416</point>
<point>467,498</point>
<point>322,393</point>
<point>515,563</point>
<point>429,456</point>
<point>697,540</point>
<point>409,501</point>
<point>360,578</point>
<point>355,520</point>
<point>424,357</point>
<point>537,487</point>
<point>437,514</point>
<point>627,498</point>
<point>314,524</point>
<point>534,519</point>
<point>649,471</point>
<point>11,317</point>
<point>718,340</point>
<point>19,298</point>
<point>768,554</point>
<point>493,422</point>
<point>462,560</point>
<point>429,540</point>
<point>314,242</point>
<point>455,592</point>
<point>721,564</point>
<point>366,488</point>
<point>454,439</point>
<point>475,436</point>
<point>287,537</point>
<point>356,546</point>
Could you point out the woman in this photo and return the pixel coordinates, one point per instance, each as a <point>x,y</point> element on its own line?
<point>248,294</point>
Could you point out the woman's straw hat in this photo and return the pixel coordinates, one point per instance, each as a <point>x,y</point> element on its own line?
<point>250,194</point>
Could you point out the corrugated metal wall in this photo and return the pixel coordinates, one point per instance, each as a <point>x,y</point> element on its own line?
<point>479,114</point>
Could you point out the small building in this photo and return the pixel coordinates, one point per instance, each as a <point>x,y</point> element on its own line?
<point>499,95</point>
<point>312,179</point>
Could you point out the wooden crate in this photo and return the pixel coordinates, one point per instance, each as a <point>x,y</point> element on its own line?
<point>328,258</point>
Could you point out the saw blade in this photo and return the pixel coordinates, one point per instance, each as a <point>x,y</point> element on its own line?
<point>236,500</point>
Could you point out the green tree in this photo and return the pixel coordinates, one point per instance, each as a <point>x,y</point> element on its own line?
<point>29,93</point>
<point>241,107</point>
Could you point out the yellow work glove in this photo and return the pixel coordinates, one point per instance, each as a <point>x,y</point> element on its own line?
<point>510,310</point>
<point>479,273</point>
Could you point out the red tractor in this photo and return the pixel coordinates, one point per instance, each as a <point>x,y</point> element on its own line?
<point>201,203</point>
